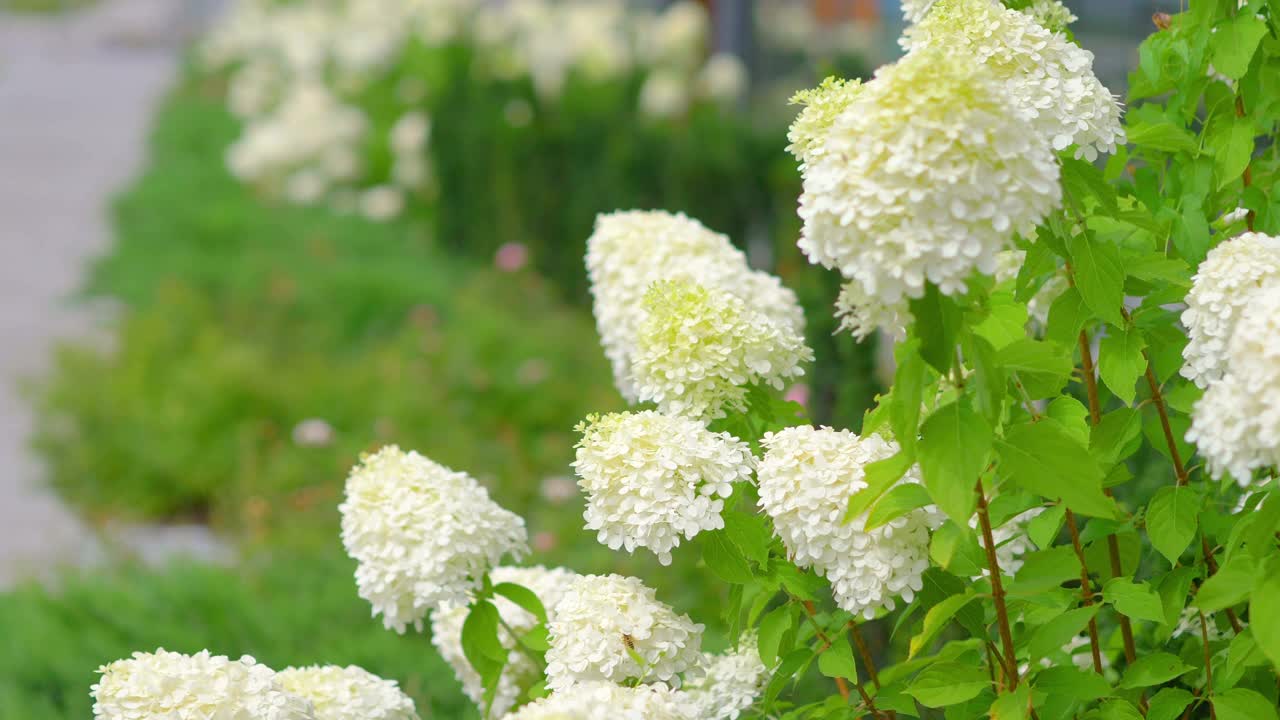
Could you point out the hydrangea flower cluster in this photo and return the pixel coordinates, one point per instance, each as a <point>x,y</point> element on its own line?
<point>1011,540</point>
<point>629,251</point>
<point>732,683</point>
<point>423,534</point>
<point>167,684</point>
<point>1236,424</point>
<point>1049,79</point>
<point>520,672</point>
<point>925,176</point>
<point>698,348</point>
<point>613,628</point>
<point>343,693</point>
<point>1051,15</point>
<point>1224,285</point>
<point>822,105</point>
<point>806,479</point>
<point>607,701</point>
<point>653,479</point>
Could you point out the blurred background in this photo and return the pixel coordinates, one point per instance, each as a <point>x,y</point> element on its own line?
<point>242,241</point>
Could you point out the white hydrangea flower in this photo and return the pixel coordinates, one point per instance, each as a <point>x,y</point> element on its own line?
<point>806,479</point>
<point>1236,424</point>
<point>698,348</point>
<point>1224,285</point>
<point>724,78</point>
<point>348,693</point>
<point>732,683</point>
<point>175,686</point>
<point>1051,14</point>
<point>1012,541</point>
<point>607,701</point>
<point>630,250</point>
<point>1049,79</point>
<point>612,627</point>
<point>652,479</point>
<point>924,176</point>
<point>664,94</point>
<point>1189,625</point>
<point>423,535</point>
<point>822,105</point>
<point>520,673</point>
<point>861,313</point>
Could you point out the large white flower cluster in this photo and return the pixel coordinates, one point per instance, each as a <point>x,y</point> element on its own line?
<point>520,672</point>
<point>607,701</point>
<point>423,534</point>
<point>732,683</point>
<point>1224,285</point>
<point>175,686</point>
<point>631,250</point>
<point>698,349</point>
<point>653,480</point>
<point>924,176</point>
<point>1236,424</point>
<point>1049,79</point>
<point>806,479</point>
<point>613,628</point>
<point>347,693</point>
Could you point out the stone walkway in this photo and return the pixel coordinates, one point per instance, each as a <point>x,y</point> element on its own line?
<point>76,97</point>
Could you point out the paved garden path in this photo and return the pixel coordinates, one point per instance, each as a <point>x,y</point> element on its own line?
<point>76,95</point>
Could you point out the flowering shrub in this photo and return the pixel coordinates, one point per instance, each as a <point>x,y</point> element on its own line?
<point>986,513</point>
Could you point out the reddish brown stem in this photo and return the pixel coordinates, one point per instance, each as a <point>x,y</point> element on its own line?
<point>1248,169</point>
<point>997,589</point>
<point>812,612</point>
<point>1086,592</point>
<point>867,662</point>
<point>1208,663</point>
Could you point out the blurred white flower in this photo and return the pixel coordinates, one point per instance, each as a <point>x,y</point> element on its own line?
<point>348,693</point>
<point>607,701</point>
<point>1051,14</point>
<point>732,683</point>
<point>313,432</point>
<point>1011,540</point>
<point>723,78</point>
<point>861,313</point>
<point>664,94</point>
<point>423,535</point>
<point>382,202</point>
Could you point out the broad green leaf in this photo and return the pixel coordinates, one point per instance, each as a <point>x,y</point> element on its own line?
<point>524,597</point>
<point>1116,436</point>
<point>1099,276</point>
<point>1082,178</point>
<point>750,533</point>
<point>1044,570</point>
<point>1264,612</point>
<point>1233,44</point>
<point>1153,669</point>
<point>880,476</point>
<point>948,683</point>
<point>536,639</point>
<point>1173,588</point>
<point>1051,636</point>
<point>1044,527</point>
<point>938,319</point>
<point>1067,316</point>
<point>787,669</point>
<point>773,627</point>
<point>1045,459</point>
<point>1171,520</point>
<point>1121,362</point>
<point>482,647</point>
<point>956,549</point>
<point>1243,704</point>
<point>989,381</point>
<point>936,619</point>
<point>908,391</point>
<point>1229,586</point>
<point>896,503</point>
<point>1005,323</point>
<point>1072,682</point>
<point>724,558</point>
<point>1168,704</point>
<point>1232,144</point>
<point>1137,600</point>
<point>1012,706</point>
<point>955,444</point>
<point>837,660</point>
<point>1072,415</point>
<point>1042,367</point>
<point>1118,709</point>
<point>1162,135</point>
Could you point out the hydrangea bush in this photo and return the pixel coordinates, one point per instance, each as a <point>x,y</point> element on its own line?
<point>1051,514</point>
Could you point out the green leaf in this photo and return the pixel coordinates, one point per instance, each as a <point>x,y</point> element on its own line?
<point>1067,316</point>
<point>1162,135</point>
<point>837,660</point>
<point>1121,362</point>
<point>537,639</point>
<point>1229,586</point>
<point>1153,669</point>
<point>1099,277</point>
<point>899,501</point>
<point>1234,43</point>
<point>1005,323</point>
<point>773,627</point>
<point>1051,636</point>
<point>1118,709</point>
<point>1232,144</point>
<point>482,646</point>
<point>789,666</point>
<point>1171,520</point>
<point>955,444</point>
<point>1264,612</point>
<point>1044,527</point>
<point>1043,368</point>
<point>1137,600</point>
<point>948,683</point>
<point>1072,682</point>
<point>938,319</point>
<point>880,476</point>
<point>1116,436</point>
<point>1044,570</point>
<point>936,619</point>
<point>956,549</point>
<point>1045,459</point>
<point>524,597</point>
<point>1168,704</point>
<point>1243,704</point>
<point>1015,705</point>
<point>908,391</point>
<point>749,533</point>
<point>724,558</point>
<point>1081,179</point>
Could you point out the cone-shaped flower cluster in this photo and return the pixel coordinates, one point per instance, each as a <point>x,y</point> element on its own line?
<point>343,693</point>
<point>423,535</point>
